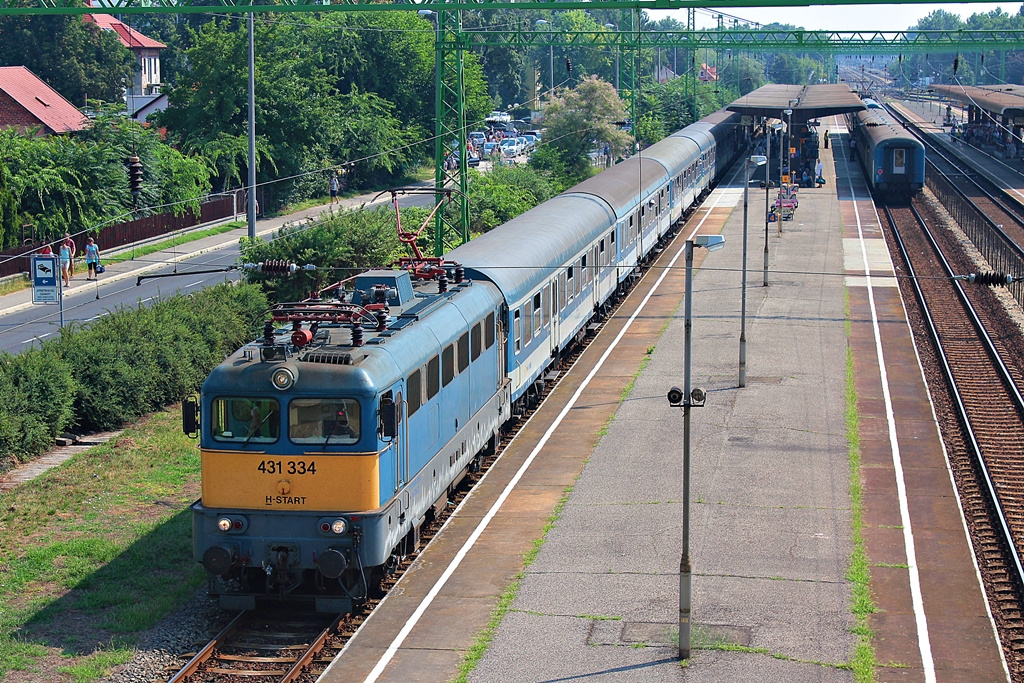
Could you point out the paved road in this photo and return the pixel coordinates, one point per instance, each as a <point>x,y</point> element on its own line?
<point>23,325</point>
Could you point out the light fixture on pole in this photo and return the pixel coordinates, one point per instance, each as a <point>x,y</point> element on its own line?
<point>250,214</point>
<point>687,398</point>
<point>755,161</point>
<point>551,58</point>
<point>783,167</point>
<point>612,27</point>
<point>775,127</point>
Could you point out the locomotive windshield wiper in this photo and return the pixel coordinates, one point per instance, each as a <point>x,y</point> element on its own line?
<point>337,418</point>
<point>256,431</point>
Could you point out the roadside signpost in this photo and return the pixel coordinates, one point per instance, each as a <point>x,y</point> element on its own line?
<point>46,282</point>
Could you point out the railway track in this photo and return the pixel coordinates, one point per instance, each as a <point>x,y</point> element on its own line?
<point>976,354</point>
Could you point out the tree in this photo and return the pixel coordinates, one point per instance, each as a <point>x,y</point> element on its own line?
<point>8,210</point>
<point>578,120</point>
<point>504,193</point>
<point>339,244</point>
<point>72,56</point>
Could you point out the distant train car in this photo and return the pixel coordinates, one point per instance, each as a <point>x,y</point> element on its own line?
<point>328,443</point>
<point>892,158</point>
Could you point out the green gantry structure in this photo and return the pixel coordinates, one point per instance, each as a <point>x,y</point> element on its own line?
<point>452,42</point>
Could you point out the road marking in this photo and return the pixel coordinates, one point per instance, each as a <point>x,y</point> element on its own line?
<point>37,337</point>
<point>191,284</point>
<point>487,518</point>
<point>923,639</point>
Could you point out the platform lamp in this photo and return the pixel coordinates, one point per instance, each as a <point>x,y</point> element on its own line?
<point>775,127</point>
<point>612,27</point>
<point>551,58</point>
<point>686,399</point>
<point>785,147</point>
<point>753,161</point>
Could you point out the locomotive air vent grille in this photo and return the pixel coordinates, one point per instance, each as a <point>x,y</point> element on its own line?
<point>329,357</point>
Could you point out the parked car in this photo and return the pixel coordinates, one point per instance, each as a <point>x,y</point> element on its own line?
<point>524,144</point>
<point>510,147</point>
<point>489,148</point>
<point>477,138</point>
<point>531,140</point>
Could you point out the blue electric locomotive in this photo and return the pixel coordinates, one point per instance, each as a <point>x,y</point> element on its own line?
<point>330,441</point>
<point>892,158</point>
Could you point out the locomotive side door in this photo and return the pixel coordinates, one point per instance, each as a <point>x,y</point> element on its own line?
<point>392,427</point>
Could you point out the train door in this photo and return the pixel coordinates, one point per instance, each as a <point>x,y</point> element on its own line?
<point>899,161</point>
<point>392,429</point>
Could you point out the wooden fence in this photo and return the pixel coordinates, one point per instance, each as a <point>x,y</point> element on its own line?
<point>14,261</point>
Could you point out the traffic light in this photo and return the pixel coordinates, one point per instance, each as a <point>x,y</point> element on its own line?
<point>135,177</point>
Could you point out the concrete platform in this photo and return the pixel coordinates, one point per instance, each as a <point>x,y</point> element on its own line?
<point>771,505</point>
<point>771,513</point>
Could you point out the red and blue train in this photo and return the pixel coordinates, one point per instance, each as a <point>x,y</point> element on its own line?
<point>328,443</point>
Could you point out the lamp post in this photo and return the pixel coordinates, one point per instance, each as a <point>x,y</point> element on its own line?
<point>767,191</point>
<point>250,213</point>
<point>688,399</point>
<point>756,160</point>
<point>551,58</point>
<point>612,27</point>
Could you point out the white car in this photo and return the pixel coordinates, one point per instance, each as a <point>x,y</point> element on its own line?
<point>510,147</point>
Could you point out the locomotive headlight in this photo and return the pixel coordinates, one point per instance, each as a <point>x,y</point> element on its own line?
<point>224,524</point>
<point>339,526</point>
<point>283,378</point>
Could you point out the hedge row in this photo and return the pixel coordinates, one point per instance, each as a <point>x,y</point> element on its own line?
<point>128,363</point>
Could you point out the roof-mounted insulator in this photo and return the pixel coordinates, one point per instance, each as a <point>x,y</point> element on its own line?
<point>268,333</point>
<point>277,267</point>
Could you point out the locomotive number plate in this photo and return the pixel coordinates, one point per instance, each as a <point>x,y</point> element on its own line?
<point>287,467</point>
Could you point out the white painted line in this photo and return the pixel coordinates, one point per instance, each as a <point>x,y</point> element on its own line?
<point>486,520</point>
<point>923,640</point>
<point>193,284</point>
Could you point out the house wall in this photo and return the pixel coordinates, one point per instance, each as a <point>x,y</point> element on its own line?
<point>13,115</point>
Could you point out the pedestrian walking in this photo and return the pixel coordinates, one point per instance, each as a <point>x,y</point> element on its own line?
<point>333,187</point>
<point>819,173</point>
<point>70,244</point>
<point>853,147</point>
<point>65,263</point>
<point>92,259</point>
<point>826,139</point>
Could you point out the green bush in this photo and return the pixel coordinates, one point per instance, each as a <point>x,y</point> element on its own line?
<point>126,364</point>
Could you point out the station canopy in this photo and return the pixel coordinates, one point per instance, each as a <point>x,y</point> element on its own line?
<point>808,102</point>
<point>1006,100</point>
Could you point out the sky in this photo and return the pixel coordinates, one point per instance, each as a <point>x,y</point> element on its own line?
<point>841,18</point>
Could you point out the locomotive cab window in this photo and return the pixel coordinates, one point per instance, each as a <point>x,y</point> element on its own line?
<point>324,421</point>
<point>433,377</point>
<point>246,420</point>
<point>462,351</point>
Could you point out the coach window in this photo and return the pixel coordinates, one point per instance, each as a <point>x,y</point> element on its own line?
<point>433,379</point>
<point>604,255</point>
<point>475,342</point>
<point>447,365</point>
<point>539,314</point>
<point>517,332</point>
<point>570,283</point>
<point>579,278</point>
<point>561,290</point>
<point>584,270</point>
<point>246,420</point>
<point>462,351</point>
<point>489,331</point>
<point>528,324</point>
<point>611,238</point>
<point>415,384</point>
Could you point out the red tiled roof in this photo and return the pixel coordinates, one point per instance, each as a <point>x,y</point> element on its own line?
<point>130,38</point>
<point>42,101</point>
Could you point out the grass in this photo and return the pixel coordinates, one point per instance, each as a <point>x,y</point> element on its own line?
<point>97,551</point>
<point>863,662</point>
<point>14,284</point>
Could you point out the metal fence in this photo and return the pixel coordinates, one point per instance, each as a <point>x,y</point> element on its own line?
<point>997,248</point>
<point>14,261</point>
